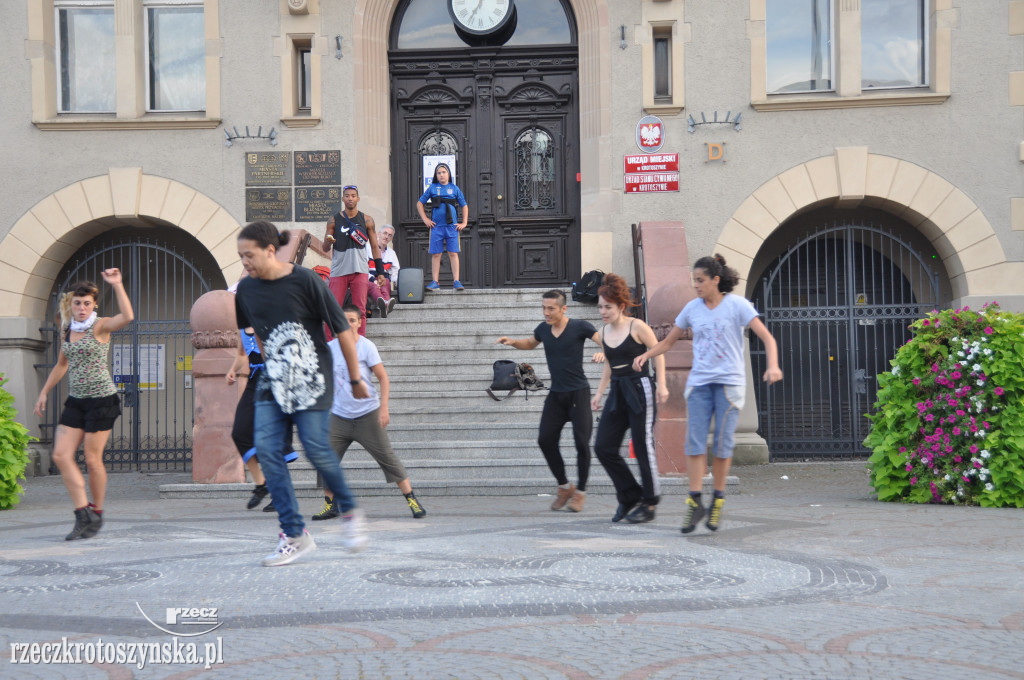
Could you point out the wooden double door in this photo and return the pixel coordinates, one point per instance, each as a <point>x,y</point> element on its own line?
<point>509,119</point>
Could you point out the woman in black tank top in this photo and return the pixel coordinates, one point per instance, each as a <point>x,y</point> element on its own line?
<point>631,405</point>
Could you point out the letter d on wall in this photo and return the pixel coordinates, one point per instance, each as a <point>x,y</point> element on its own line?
<point>716,152</point>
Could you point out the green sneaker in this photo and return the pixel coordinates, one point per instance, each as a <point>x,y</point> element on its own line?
<point>716,513</point>
<point>694,514</point>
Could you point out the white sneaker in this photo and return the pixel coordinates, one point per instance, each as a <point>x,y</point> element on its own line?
<point>355,528</point>
<point>290,549</point>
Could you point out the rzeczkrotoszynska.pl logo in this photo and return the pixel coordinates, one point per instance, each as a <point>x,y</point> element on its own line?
<point>206,617</point>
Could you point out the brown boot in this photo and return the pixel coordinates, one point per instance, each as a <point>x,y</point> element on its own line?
<point>577,500</point>
<point>562,497</point>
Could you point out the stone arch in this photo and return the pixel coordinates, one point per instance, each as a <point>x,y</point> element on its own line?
<point>34,251</point>
<point>959,231</point>
<point>372,96</point>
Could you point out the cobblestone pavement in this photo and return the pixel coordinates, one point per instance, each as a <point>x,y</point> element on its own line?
<point>808,577</point>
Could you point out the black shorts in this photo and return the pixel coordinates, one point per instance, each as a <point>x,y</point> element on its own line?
<point>92,415</point>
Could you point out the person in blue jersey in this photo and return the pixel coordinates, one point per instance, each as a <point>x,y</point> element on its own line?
<point>716,387</point>
<point>444,222</point>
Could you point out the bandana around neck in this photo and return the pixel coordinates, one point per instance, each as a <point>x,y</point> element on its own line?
<point>82,326</point>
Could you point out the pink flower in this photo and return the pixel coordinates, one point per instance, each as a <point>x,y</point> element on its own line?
<point>926,323</point>
<point>984,424</point>
<point>913,480</point>
<point>956,375</point>
<point>957,459</point>
<point>974,448</point>
<point>909,467</point>
<point>999,391</point>
<point>961,412</point>
<point>929,418</point>
<point>988,330</point>
<point>916,381</point>
<point>956,431</point>
<point>903,449</point>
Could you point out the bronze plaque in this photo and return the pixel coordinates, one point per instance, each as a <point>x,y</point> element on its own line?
<point>316,204</point>
<point>268,169</point>
<point>315,168</point>
<point>270,204</point>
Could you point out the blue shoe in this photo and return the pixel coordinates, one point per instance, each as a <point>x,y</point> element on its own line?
<point>432,285</point>
<point>458,286</point>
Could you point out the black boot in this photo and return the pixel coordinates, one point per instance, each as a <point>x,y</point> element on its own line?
<point>258,494</point>
<point>82,523</point>
<point>95,522</point>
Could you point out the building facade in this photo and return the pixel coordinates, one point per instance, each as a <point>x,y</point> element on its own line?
<point>855,160</point>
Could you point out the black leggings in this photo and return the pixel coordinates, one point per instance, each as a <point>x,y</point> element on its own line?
<point>245,414</point>
<point>612,430</point>
<point>559,409</point>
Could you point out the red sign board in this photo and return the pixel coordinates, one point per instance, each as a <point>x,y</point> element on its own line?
<point>652,181</point>
<point>651,162</point>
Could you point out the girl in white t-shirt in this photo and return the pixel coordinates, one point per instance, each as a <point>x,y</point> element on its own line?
<point>715,388</point>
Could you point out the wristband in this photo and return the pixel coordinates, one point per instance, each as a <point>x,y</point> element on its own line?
<point>355,382</point>
<point>378,264</point>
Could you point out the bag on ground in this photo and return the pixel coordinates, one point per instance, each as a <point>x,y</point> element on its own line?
<point>508,375</point>
<point>585,290</point>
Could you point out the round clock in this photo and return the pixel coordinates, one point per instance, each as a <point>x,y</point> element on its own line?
<point>481,17</point>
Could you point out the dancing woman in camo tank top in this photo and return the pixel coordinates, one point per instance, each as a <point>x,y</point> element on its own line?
<point>92,405</point>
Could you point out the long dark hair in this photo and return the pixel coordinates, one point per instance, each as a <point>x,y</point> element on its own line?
<point>715,266</point>
<point>264,234</point>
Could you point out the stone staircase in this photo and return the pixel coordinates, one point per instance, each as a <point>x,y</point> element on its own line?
<point>452,437</point>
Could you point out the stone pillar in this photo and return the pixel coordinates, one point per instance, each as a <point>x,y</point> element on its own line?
<point>667,277</point>
<point>215,459</point>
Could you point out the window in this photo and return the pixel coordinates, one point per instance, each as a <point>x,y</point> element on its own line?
<point>305,83</point>
<point>662,65</point>
<point>87,76</point>
<point>892,43</point>
<point>840,53</point>
<point>661,35</point>
<point>799,40</point>
<point>534,170</point>
<point>176,55</point>
<point>109,64</point>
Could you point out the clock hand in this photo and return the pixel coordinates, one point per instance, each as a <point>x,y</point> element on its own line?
<point>473,13</point>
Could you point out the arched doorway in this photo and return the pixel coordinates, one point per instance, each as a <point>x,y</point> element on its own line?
<point>505,110</point>
<point>165,272</point>
<point>839,300</point>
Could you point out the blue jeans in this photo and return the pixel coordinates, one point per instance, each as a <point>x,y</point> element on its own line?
<point>271,424</point>
<point>714,400</point>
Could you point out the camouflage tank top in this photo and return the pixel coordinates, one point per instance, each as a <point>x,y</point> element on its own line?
<point>88,374</point>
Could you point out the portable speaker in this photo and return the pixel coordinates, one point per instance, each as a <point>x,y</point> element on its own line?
<point>410,284</point>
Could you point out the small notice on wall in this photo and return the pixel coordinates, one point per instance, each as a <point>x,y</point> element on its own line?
<point>151,369</point>
<point>650,182</point>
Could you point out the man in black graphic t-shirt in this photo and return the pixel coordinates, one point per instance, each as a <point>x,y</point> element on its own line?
<point>569,397</point>
<point>287,306</point>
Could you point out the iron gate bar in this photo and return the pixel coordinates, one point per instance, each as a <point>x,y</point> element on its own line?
<point>155,429</point>
<point>839,302</point>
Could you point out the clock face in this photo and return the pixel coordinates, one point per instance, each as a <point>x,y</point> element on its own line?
<point>480,17</point>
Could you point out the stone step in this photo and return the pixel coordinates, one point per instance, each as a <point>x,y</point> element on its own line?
<point>425,489</point>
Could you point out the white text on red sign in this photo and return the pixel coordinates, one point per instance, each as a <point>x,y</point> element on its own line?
<point>665,162</point>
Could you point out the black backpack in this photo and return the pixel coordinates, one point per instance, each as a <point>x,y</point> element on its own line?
<point>586,289</point>
<point>508,375</point>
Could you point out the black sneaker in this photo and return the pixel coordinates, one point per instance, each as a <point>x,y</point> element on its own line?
<point>417,510</point>
<point>694,513</point>
<point>269,507</point>
<point>258,494</point>
<point>622,511</point>
<point>641,513</point>
<point>382,307</point>
<point>329,511</point>
<point>715,516</point>
<point>391,304</point>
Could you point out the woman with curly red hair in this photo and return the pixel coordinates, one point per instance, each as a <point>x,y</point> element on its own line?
<point>632,402</point>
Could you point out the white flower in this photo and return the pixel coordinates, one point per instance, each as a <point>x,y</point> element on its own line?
<point>895,370</point>
<point>989,486</point>
<point>981,383</point>
<point>984,472</point>
<point>960,491</point>
<point>979,434</point>
<point>985,454</point>
<point>976,367</point>
<point>964,363</point>
<point>960,354</point>
<point>987,352</point>
<point>947,478</point>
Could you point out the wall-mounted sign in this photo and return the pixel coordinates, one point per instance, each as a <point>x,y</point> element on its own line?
<point>716,151</point>
<point>431,162</point>
<point>268,169</point>
<point>317,204</point>
<point>273,205</point>
<point>652,181</point>
<point>650,134</point>
<point>313,168</point>
<point>666,162</point>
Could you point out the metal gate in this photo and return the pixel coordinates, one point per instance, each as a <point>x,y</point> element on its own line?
<point>839,304</point>
<point>151,359</point>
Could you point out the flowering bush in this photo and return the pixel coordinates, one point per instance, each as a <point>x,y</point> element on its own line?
<point>949,421</point>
